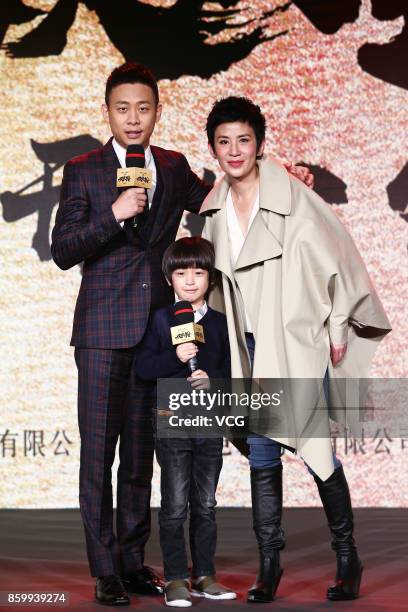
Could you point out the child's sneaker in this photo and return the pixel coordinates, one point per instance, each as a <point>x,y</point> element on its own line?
<point>176,594</point>
<point>211,589</point>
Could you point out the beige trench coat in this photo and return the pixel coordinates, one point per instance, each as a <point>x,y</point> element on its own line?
<point>304,284</point>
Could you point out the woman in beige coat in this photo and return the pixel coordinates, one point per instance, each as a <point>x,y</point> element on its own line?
<point>299,305</point>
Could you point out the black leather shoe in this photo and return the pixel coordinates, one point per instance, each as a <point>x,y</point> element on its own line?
<point>335,496</point>
<point>109,590</point>
<point>144,581</point>
<point>270,573</point>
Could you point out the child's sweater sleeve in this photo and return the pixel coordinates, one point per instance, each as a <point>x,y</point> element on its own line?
<point>156,357</point>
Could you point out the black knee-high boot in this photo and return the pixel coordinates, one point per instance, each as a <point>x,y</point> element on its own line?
<point>335,496</point>
<point>266,490</point>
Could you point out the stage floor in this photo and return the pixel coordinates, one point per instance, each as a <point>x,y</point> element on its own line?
<point>43,550</point>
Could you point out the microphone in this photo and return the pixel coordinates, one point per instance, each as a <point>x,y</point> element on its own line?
<point>135,158</point>
<point>135,175</point>
<point>185,329</point>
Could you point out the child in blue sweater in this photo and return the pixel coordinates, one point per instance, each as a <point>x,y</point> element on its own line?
<point>190,467</point>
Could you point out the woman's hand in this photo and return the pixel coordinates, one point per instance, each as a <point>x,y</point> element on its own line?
<point>337,353</point>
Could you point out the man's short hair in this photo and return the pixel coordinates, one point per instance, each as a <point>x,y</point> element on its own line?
<point>232,109</point>
<point>189,252</point>
<point>130,72</point>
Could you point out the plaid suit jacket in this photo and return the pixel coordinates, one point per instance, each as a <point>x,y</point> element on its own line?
<point>121,281</point>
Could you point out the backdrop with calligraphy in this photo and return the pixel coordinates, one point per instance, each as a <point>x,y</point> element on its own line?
<point>331,78</point>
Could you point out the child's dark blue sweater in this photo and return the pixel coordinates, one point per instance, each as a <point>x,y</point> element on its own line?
<point>156,356</point>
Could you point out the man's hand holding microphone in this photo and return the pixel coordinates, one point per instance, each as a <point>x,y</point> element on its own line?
<point>133,181</point>
<point>130,203</point>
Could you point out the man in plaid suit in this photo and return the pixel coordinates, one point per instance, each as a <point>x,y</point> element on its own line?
<point>121,284</point>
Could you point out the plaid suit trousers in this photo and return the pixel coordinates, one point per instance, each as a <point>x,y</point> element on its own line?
<point>112,405</point>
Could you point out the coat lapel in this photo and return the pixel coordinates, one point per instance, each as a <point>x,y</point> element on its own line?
<point>220,238</point>
<point>214,206</point>
<point>274,187</point>
<point>262,241</point>
<point>260,244</point>
<point>110,166</point>
<point>164,192</point>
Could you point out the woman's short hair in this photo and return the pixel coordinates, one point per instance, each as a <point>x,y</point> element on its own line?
<point>234,108</point>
